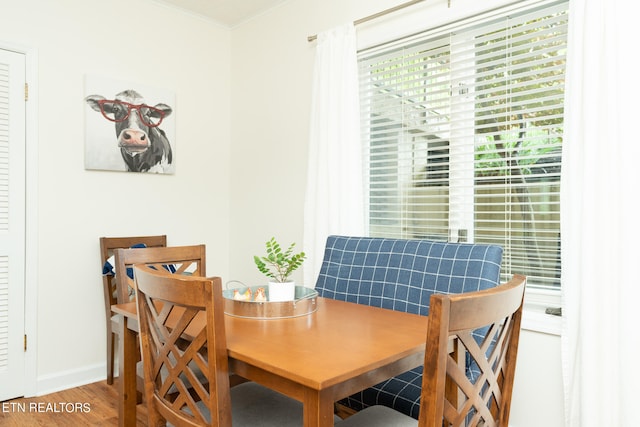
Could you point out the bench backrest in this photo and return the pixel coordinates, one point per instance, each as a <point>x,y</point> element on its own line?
<point>402,274</point>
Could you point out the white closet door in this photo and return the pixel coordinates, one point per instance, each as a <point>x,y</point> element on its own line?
<point>12,223</point>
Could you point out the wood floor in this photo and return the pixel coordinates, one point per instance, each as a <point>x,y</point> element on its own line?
<point>90,405</point>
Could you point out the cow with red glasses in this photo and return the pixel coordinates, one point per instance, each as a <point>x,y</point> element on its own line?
<point>144,146</point>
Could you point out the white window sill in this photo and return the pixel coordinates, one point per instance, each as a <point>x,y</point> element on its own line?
<point>534,317</point>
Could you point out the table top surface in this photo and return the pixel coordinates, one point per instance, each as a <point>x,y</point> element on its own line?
<point>339,341</point>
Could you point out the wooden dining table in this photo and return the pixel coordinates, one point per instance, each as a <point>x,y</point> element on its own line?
<point>318,358</point>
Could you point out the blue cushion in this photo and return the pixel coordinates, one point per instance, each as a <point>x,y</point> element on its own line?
<point>402,274</point>
<point>401,393</point>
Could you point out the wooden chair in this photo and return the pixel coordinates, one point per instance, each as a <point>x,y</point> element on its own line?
<point>107,246</point>
<point>470,362</point>
<point>167,305</point>
<point>174,259</point>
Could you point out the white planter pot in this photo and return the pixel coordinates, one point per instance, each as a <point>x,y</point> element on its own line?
<point>282,291</point>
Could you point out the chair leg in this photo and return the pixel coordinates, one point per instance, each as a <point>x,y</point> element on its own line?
<point>110,356</point>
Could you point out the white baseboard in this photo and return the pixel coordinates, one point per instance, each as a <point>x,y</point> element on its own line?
<point>58,381</point>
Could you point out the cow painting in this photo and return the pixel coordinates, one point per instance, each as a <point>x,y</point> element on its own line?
<point>143,145</point>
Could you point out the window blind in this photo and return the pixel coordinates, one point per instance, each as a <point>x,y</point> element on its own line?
<point>463,131</point>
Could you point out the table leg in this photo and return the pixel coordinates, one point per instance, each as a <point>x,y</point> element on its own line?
<point>318,408</point>
<point>127,375</point>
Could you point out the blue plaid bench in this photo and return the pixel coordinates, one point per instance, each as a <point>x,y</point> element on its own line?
<point>401,274</point>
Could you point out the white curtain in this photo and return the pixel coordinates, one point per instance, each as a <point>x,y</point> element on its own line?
<point>334,202</point>
<point>600,238</point>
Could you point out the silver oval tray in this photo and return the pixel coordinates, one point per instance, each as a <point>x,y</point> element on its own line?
<point>305,303</point>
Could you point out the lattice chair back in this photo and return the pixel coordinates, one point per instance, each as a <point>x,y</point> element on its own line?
<point>449,394</point>
<point>185,386</point>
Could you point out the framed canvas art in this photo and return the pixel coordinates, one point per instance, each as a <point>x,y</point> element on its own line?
<point>128,127</point>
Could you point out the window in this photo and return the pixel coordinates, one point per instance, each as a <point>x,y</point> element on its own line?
<point>463,129</point>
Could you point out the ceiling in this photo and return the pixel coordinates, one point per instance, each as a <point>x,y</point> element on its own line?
<point>228,13</point>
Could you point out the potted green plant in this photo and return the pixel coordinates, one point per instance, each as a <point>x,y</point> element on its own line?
<point>278,265</point>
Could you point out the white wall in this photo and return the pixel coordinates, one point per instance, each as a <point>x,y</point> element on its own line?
<point>141,42</point>
<point>271,79</point>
